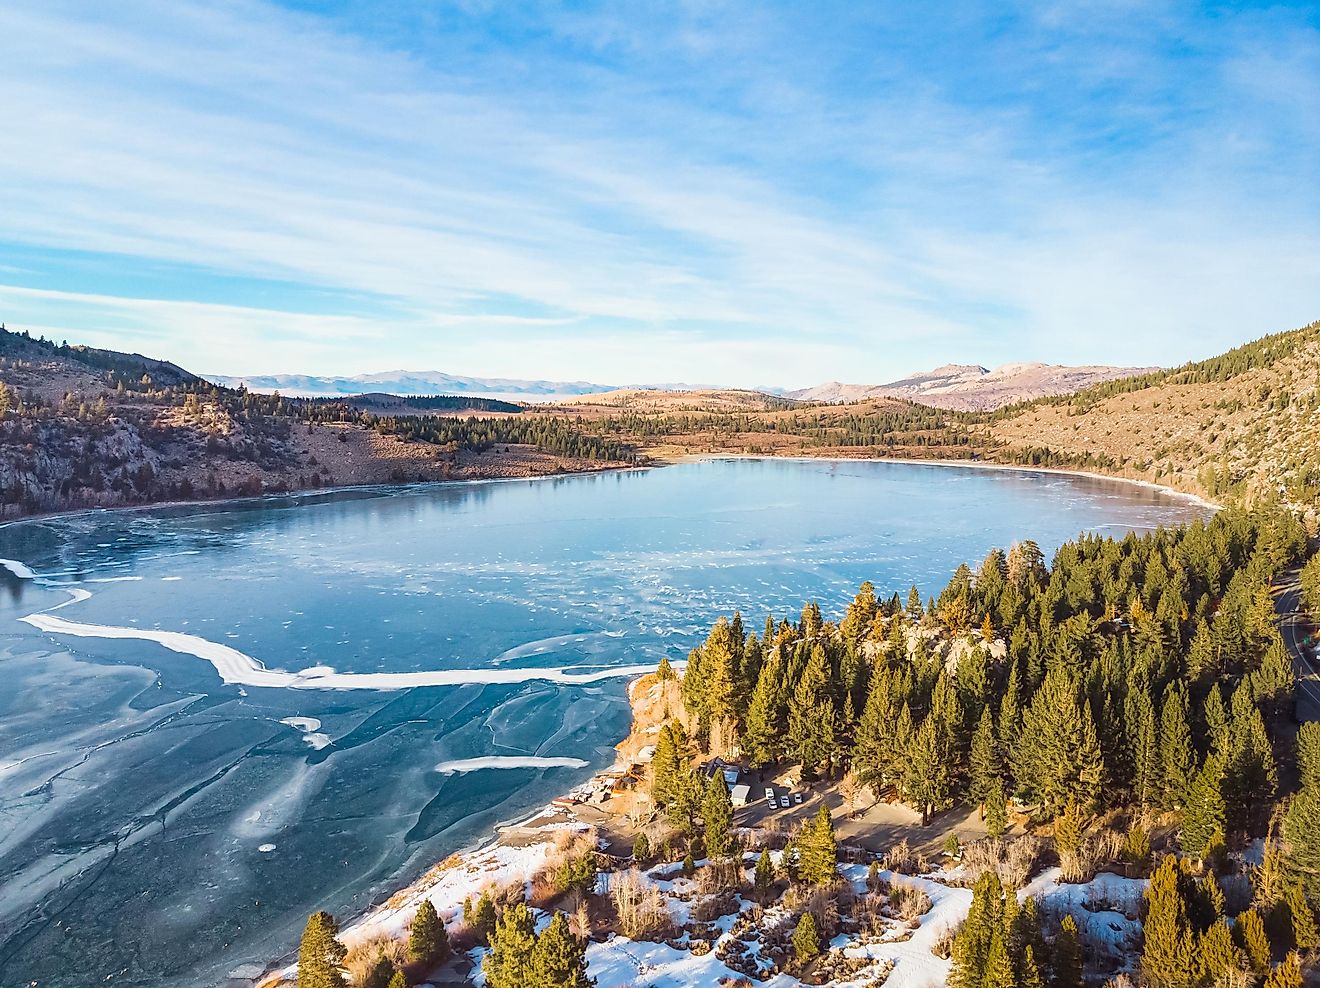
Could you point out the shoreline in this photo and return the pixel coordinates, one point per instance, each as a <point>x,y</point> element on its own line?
<point>655,463</point>
<point>1195,499</point>
<point>382,490</point>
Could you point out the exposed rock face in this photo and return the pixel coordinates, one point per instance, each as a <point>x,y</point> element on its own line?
<point>971,387</point>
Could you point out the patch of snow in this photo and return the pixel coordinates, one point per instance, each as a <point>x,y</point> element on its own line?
<point>462,765</point>
<point>238,668</point>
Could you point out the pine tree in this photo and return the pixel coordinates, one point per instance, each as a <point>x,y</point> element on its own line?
<point>427,941</point>
<point>379,975</point>
<point>996,810</point>
<point>721,698</point>
<point>875,756</point>
<point>818,851</point>
<point>1292,923</point>
<point>1063,760</point>
<point>1177,757</point>
<point>1308,751</point>
<point>483,917</point>
<point>1268,879</point>
<point>861,612</point>
<point>667,764</point>
<point>321,955</point>
<point>509,963</point>
<point>999,971</point>
<point>559,959</point>
<point>763,879</point>
<point>1288,974</point>
<point>1249,935</point>
<point>1203,821</point>
<point>1029,975</point>
<point>926,775</point>
<point>685,803</point>
<point>1216,721</point>
<point>1067,955</point>
<point>1301,833</point>
<point>1168,958</point>
<point>806,939</point>
<point>1250,775</point>
<point>1146,772</point>
<point>717,815</point>
<point>1219,955</point>
<point>763,731</point>
<point>1068,841</point>
<point>400,980</point>
<point>811,713</point>
<point>985,767</point>
<point>641,849</point>
<point>973,943</point>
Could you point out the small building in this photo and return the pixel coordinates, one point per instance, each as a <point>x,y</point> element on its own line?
<point>739,795</point>
<point>732,772</point>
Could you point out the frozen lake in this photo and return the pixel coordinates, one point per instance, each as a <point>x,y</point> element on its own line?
<point>245,712</point>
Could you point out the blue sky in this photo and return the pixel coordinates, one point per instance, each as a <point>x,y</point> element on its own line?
<point>742,193</point>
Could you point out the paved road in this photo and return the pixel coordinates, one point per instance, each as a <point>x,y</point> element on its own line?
<point>1295,628</point>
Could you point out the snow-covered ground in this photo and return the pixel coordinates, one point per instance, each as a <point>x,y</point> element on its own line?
<point>1105,909</point>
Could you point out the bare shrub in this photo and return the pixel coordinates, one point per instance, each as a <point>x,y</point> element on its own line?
<point>908,902</point>
<point>1095,851</point>
<point>640,906</point>
<point>579,919</point>
<point>869,911</point>
<point>943,945</point>
<point>1012,860</point>
<point>720,876</point>
<point>362,957</point>
<point>825,903</point>
<point>902,858</point>
<point>711,907</point>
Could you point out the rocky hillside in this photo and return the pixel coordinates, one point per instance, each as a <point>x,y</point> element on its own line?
<point>84,428</point>
<point>970,387</point>
<point>1247,420</point>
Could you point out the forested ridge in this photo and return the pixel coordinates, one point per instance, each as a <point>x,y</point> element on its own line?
<point>1135,687</point>
<point>1132,666</point>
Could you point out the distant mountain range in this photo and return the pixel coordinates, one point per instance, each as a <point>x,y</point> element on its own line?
<point>416,383</point>
<point>971,387</point>
<point>964,386</point>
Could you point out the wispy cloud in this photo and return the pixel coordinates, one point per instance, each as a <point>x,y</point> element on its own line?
<point>756,195</point>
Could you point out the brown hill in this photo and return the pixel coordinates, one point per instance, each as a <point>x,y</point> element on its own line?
<point>657,401</point>
<point>1246,420</point>
<point>83,428</point>
<point>971,387</point>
